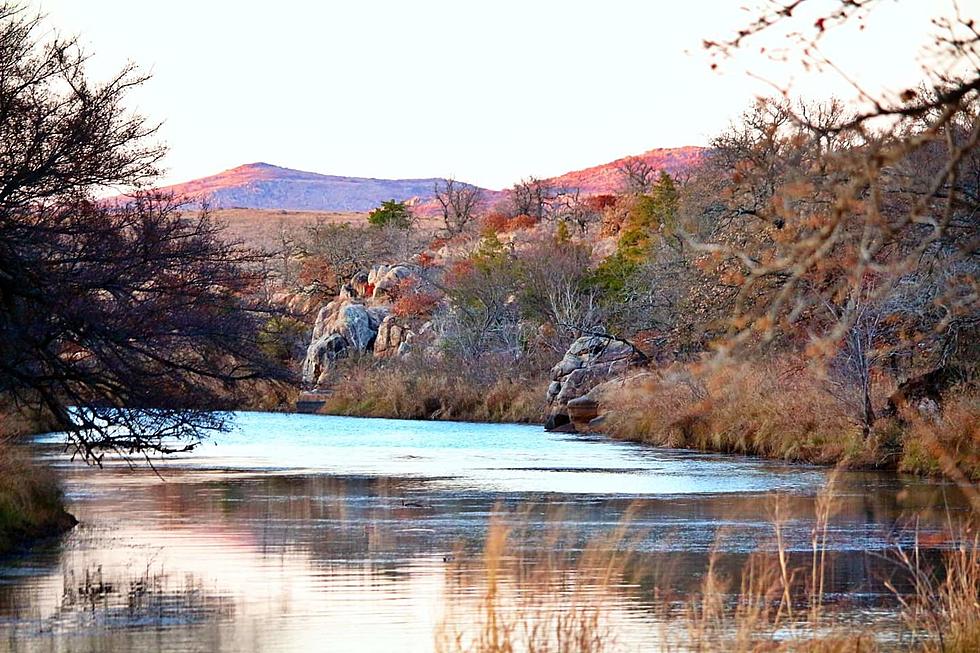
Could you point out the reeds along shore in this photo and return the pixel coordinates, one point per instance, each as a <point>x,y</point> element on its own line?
<point>781,411</point>
<point>552,600</point>
<point>31,503</point>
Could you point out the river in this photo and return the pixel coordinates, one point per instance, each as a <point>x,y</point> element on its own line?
<point>308,533</point>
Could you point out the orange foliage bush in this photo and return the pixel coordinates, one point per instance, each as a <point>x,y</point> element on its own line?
<point>315,269</point>
<point>521,222</point>
<point>496,223</point>
<point>411,301</point>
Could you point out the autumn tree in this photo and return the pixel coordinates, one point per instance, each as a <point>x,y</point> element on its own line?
<point>867,200</point>
<point>483,317</point>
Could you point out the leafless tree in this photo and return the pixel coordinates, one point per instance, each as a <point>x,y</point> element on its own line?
<point>459,204</point>
<point>895,190</point>
<point>129,323</point>
<point>555,289</point>
<point>534,197</point>
<point>638,175</point>
<point>572,207</point>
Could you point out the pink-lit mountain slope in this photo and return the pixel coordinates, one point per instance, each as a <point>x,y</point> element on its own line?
<point>265,186</point>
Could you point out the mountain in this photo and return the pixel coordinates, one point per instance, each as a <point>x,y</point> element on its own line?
<point>265,186</point>
<point>607,178</point>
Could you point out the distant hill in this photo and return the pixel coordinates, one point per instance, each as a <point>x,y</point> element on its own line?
<point>607,178</point>
<point>265,186</point>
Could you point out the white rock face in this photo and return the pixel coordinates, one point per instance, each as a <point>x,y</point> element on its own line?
<point>358,321</point>
<point>588,360</point>
<point>387,279</point>
<point>341,326</point>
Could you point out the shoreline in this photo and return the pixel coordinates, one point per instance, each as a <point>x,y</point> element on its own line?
<point>32,506</point>
<point>891,463</point>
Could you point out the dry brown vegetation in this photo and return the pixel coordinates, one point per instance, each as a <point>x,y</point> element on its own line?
<point>784,410</point>
<point>261,228</point>
<point>417,392</point>
<point>554,600</point>
<point>30,501</point>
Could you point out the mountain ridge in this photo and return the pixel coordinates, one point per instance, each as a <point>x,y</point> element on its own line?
<point>262,185</point>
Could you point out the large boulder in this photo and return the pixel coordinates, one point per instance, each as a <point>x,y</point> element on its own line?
<point>386,281</point>
<point>341,327</point>
<point>924,394</point>
<point>354,320</point>
<point>590,360</point>
<point>320,354</point>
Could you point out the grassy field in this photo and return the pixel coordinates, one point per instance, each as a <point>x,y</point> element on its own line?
<point>262,228</point>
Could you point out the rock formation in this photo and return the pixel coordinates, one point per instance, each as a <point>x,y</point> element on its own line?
<point>359,321</point>
<point>589,361</point>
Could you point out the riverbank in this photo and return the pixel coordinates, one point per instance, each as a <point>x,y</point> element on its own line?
<point>31,502</point>
<point>400,393</point>
<point>777,412</point>
<point>786,413</point>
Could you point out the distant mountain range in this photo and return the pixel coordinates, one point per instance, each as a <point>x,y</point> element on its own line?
<point>265,186</point>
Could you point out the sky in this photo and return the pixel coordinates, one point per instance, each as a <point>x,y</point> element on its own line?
<point>488,92</point>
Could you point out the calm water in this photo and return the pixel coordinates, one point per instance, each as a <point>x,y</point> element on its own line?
<point>303,533</point>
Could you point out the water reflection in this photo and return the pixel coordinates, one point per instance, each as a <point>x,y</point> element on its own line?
<point>265,543</point>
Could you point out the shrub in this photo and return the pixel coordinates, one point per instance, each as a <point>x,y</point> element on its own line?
<point>393,214</point>
<point>519,222</point>
<point>495,222</point>
<point>411,301</point>
<point>30,501</point>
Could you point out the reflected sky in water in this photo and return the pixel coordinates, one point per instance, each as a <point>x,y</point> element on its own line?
<point>301,533</point>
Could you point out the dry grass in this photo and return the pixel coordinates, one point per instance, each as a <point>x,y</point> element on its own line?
<point>259,228</point>
<point>546,601</point>
<point>409,392</point>
<point>554,601</point>
<point>948,444</point>
<point>766,410</point>
<point>31,503</point>
<point>943,612</point>
<point>786,412</point>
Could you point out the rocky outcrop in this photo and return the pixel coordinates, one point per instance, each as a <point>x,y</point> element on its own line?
<point>588,361</point>
<point>384,280</point>
<point>393,338</point>
<point>358,321</point>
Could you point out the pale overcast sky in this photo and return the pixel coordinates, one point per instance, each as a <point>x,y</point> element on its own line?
<point>486,91</point>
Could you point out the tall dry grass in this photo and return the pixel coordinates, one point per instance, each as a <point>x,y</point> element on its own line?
<point>31,503</point>
<point>943,611</point>
<point>413,392</point>
<point>553,598</point>
<point>558,601</point>
<point>790,412</point>
<point>772,410</point>
<point>946,444</point>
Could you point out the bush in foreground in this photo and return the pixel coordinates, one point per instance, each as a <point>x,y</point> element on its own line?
<point>31,505</point>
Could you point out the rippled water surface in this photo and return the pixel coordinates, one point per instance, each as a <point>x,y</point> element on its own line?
<point>309,533</point>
